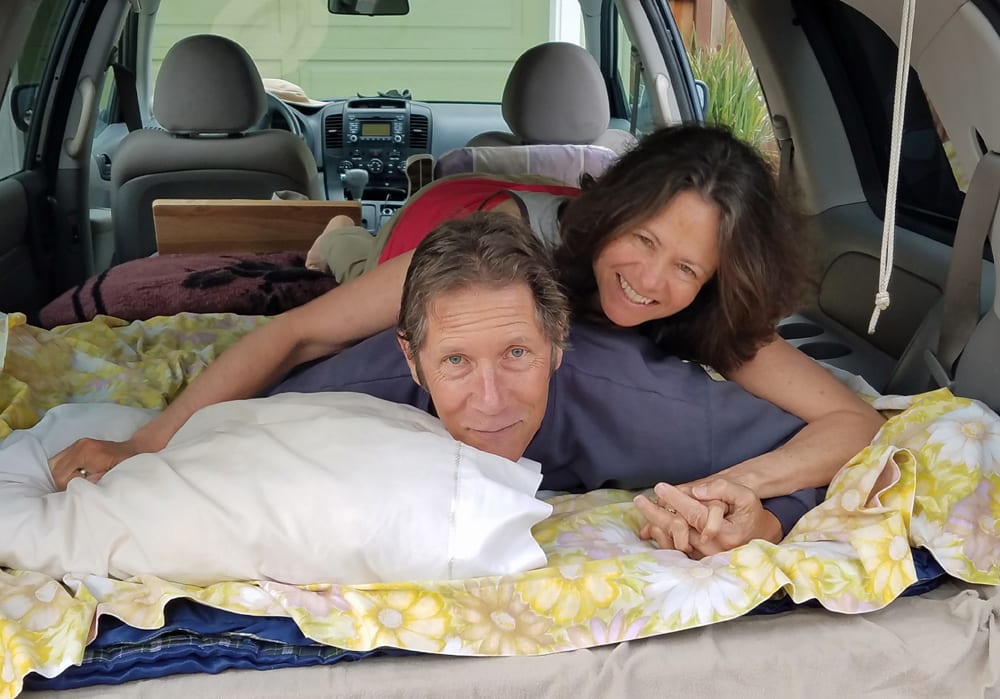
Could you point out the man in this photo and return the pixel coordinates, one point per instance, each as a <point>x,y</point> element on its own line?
<point>659,417</point>
<point>482,325</point>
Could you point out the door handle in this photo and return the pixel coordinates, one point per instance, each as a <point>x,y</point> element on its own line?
<point>104,166</point>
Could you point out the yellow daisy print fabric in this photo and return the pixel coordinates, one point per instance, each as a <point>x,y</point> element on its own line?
<point>931,478</point>
<point>143,364</point>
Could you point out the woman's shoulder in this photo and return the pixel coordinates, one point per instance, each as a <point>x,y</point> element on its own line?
<point>541,211</point>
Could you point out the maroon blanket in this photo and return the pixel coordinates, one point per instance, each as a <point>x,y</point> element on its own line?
<point>243,283</point>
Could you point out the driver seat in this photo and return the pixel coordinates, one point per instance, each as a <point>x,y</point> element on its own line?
<point>208,96</point>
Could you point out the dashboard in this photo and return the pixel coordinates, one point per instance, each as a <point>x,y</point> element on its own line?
<point>377,135</point>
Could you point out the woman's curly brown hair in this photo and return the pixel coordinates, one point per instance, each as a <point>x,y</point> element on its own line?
<point>763,272</point>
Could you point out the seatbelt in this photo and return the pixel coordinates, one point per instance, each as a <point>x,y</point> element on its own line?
<point>636,66</point>
<point>128,97</point>
<point>960,304</point>
<point>786,149</point>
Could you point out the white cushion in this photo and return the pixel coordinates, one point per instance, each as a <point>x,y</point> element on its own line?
<point>299,488</point>
<point>564,162</point>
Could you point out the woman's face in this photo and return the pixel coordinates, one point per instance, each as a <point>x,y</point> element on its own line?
<point>657,268</point>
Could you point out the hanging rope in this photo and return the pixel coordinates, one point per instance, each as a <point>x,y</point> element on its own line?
<point>882,299</point>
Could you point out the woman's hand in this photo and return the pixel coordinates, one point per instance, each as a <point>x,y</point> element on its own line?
<point>672,530</point>
<point>716,516</point>
<point>90,459</point>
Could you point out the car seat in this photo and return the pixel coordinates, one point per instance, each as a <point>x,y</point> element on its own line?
<point>207,99</point>
<point>555,93</point>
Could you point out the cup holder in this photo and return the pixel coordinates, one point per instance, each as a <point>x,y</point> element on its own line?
<point>798,331</point>
<point>825,350</point>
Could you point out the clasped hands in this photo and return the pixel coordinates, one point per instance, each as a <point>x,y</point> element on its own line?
<point>706,517</point>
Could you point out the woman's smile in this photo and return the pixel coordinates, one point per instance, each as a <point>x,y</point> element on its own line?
<point>631,294</point>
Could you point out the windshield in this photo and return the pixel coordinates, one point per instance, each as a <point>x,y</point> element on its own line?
<point>443,50</point>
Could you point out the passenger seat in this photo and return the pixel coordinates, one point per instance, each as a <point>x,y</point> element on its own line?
<point>555,93</point>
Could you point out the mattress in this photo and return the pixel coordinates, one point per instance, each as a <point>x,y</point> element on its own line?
<point>933,645</point>
<point>939,456</point>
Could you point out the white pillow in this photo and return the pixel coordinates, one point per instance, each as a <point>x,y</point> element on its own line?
<point>300,488</point>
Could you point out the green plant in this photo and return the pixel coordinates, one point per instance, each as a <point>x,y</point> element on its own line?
<point>735,99</point>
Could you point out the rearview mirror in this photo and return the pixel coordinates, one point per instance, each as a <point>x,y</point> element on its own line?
<point>22,104</point>
<point>369,7</point>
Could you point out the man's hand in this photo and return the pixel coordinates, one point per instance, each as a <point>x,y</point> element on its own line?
<point>90,459</point>
<point>717,516</point>
<point>678,521</point>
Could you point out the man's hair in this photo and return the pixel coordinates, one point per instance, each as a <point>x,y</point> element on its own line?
<point>763,270</point>
<point>486,248</point>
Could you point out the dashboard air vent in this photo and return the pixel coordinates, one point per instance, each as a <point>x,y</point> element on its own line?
<point>419,135</point>
<point>334,128</point>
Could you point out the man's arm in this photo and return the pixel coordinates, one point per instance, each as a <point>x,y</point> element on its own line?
<point>328,324</point>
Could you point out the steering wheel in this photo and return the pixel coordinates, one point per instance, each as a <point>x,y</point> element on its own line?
<point>277,107</point>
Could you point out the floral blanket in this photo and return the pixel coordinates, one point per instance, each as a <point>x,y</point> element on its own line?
<point>931,478</point>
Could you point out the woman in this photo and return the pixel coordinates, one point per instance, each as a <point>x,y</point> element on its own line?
<point>685,239</point>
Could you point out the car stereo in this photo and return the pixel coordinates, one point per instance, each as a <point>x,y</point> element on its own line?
<point>376,135</point>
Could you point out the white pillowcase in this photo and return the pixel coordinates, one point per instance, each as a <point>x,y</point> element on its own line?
<point>299,488</point>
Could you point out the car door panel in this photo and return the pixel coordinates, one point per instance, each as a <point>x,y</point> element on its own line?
<point>21,286</point>
<point>847,293</point>
<point>849,239</point>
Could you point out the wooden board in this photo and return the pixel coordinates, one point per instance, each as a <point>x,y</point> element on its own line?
<point>243,225</point>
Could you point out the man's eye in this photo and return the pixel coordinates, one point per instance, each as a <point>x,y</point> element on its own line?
<point>454,360</point>
<point>518,352</point>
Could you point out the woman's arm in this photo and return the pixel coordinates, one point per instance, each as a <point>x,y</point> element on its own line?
<point>839,424</point>
<point>341,317</point>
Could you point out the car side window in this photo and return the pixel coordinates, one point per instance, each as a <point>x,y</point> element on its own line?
<point>859,62</point>
<point>24,86</point>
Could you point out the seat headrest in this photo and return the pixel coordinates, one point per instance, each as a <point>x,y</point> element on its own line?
<point>555,93</point>
<point>208,85</point>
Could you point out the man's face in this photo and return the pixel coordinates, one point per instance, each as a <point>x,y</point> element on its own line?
<point>486,363</point>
